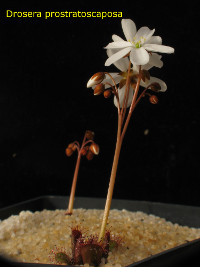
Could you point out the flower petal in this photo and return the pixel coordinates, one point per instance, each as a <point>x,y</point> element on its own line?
<point>139,56</point>
<point>116,77</point>
<point>136,68</point>
<point>117,56</point>
<point>145,33</point>
<point>121,93</point>
<point>129,29</point>
<point>155,40</point>
<point>154,61</point>
<point>144,84</point>
<point>121,64</point>
<point>119,44</point>
<point>116,38</point>
<point>159,48</point>
<point>162,84</point>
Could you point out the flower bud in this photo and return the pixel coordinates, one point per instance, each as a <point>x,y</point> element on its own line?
<point>107,93</point>
<point>72,146</point>
<point>99,89</point>
<point>84,151</point>
<point>153,99</point>
<point>68,151</point>
<point>89,135</point>
<point>94,148</point>
<point>89,155</point>
<point>96,79</point>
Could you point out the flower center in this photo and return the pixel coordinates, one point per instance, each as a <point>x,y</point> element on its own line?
<point>138,43</point>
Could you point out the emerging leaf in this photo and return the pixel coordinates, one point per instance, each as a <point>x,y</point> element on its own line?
<point>62,257</point>
<point>113,245</point>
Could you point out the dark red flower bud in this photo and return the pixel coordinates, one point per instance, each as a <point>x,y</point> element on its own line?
<point>99,89</point>
<point>84,151</point>
<point>72,146</point>
<point>89,135</point>
<point>68,151</point>
<point>153,99</point>
<point>89,155</point>
<point>107,93</point>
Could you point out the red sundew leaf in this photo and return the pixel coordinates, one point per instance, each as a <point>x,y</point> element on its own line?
<point>76,235</point>
<point>77,252</point>
<point>92,254</point>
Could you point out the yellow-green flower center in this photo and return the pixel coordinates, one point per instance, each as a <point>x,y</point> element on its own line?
<point>138,43</point>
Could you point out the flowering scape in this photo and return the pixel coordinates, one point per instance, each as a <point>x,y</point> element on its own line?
<point>133,58</point>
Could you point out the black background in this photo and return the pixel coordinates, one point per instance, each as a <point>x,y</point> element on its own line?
<point>45,105</point>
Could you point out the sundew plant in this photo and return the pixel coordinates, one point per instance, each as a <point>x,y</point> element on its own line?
<point>131,83</point>
<point>133,57</point>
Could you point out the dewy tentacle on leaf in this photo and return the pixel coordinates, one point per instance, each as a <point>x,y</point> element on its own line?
<point>86,249</point>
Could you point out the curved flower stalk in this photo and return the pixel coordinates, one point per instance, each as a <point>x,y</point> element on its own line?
<point>134,58</point>
<point>138,44</point>
<point>122,64</point>
<point>88,148</point>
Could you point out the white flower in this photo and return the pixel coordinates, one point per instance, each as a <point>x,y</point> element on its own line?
<point>122,65</point>
<point>138,44</point>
